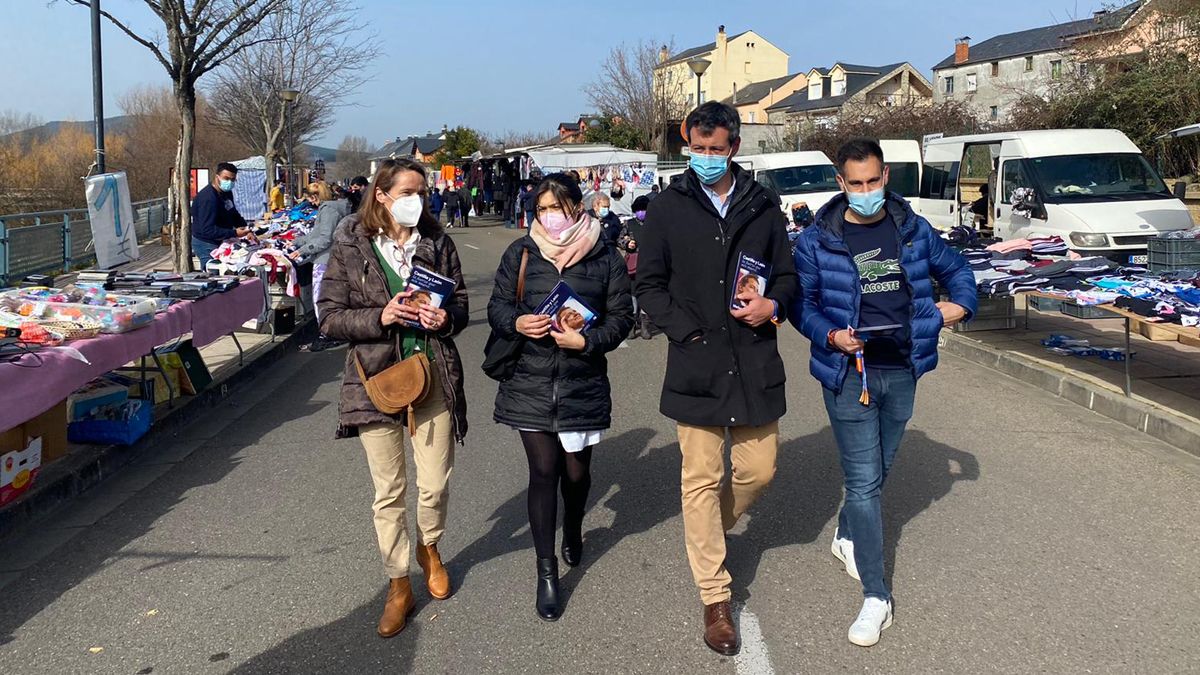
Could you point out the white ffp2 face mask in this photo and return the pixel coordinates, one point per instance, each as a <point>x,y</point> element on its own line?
<point>407,211</point>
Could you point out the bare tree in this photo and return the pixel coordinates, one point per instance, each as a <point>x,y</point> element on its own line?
<point>12,121</point>
<point>516,139</point>
<point>319,51</point>
<point>353,158</point>
<point>200,35</point>
<point>631,87</point>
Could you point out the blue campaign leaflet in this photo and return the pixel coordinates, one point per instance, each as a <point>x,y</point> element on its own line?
<point>427,288</point>
<point>567,310</point>
<point>752,276</point>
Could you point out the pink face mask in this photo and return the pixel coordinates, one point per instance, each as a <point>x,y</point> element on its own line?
<point>556,222</point>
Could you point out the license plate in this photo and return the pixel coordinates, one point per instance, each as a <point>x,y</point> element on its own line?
<point>1139,259</point>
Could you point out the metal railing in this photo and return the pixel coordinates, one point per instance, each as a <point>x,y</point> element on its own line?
<point>58,241</point>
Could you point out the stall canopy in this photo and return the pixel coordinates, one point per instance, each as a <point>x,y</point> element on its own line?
<point>250,190</point>
<point>583,156</point>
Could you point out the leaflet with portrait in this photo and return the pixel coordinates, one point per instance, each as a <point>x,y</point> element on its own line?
<point>752,275</point>
<point>567,310</point>
<point>428,288</point>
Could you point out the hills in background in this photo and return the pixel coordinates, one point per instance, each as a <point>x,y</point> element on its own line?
<point>120,125</point>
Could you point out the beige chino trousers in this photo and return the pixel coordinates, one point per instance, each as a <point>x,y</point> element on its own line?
<point>712,505</point>
<point>433,455</point>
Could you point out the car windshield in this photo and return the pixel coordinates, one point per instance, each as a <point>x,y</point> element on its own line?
<point>1096,178</point>
<point>794,180</point>
<point>904,178</point>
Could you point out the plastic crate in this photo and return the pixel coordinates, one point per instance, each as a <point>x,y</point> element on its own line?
<point>1169,255</point>
<point>995,323</point>
<point>1086,312</point>
<point>1044,304</point>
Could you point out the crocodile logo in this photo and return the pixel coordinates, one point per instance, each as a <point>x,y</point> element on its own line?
<point>872,270</point>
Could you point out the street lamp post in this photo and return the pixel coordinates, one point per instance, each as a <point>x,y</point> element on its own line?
<point>698,67</point>
<point>289,96</point>
<point>97,88</point>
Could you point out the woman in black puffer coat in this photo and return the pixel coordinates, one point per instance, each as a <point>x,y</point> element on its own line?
<point>559,394</point>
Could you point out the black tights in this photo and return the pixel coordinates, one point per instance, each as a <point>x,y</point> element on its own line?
<point>548,463</point>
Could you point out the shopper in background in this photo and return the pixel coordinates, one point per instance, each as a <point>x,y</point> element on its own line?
<point>276,200</point>
<point>363,301</point>
<point>436,204</point>
<point>315,246</point>
<point>867,270</point>
<point>610,224</point>
<point>559,397</point>
<point>358,186</point>
<point>466,201</point>
<point>451,202</point>
<point>627,243</point>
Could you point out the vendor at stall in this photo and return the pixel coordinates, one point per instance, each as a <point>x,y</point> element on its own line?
<point>215,218</point>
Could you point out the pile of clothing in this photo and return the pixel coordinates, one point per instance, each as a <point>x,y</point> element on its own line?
<point>1046,265</point>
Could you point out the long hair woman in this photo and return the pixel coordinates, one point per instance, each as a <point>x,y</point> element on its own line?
<point>363,301</point>
<point>559,396</point>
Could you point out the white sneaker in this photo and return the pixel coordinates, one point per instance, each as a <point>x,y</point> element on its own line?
<point>843,549</point>
<point>876,615</point>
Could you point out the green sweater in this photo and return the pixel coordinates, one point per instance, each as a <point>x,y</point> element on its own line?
<point>409,344</point>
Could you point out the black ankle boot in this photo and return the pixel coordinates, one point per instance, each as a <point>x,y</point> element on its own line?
<point>548,607</point>
<point>645,327</point>
<point>572,546</point>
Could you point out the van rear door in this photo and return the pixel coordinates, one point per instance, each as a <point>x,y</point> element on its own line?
<point>939,184</point>
<point>1011,175</point>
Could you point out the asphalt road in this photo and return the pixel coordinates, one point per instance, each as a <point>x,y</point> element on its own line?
<point>1024,534</point>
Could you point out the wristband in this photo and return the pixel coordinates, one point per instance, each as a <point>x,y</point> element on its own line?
<point>829,337</point>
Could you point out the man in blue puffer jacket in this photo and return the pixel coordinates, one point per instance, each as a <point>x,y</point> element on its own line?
<point>866,272</point>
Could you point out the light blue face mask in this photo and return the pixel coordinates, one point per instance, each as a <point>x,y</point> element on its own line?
<point>226,185</point>
<point>603,212</point>
<point>709,168</point>
<point>866,204</point>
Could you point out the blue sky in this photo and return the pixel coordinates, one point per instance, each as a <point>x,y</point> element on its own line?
<point>507,65</point>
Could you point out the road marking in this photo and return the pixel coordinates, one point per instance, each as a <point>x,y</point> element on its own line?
<point>753,657</point>
<point>474,247</point>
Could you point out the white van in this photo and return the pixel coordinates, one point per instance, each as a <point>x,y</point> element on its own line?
<point>806,176</point>
<point>1092,187</point>
<point>903,159</point>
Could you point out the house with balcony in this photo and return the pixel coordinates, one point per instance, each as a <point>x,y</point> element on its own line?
<point>729,64</point>
<point>829,91</point>
<point>418,148</point>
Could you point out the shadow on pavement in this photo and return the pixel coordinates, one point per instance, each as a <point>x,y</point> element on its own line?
<point>209,464</point>
<point>807,492</point>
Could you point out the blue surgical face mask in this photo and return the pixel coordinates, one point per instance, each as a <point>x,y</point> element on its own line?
<point>226,185</point>
<point>603,212</point>
<point>709,168</point>
<point>866,204</point>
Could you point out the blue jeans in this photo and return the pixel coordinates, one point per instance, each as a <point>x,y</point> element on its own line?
<point>203,250</point>
<point>868,437</point>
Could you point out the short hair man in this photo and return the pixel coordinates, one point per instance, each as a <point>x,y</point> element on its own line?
<point>215,218</point>
<point>358,185</point>
<point>867,268</point>
<point>724,374</point>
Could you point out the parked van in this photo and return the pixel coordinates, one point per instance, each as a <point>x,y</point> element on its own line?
<point>1092,187</point>
<point>806,176</point>
<point>903,159</point>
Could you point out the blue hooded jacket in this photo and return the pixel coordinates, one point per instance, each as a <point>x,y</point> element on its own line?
<point>831,291</point>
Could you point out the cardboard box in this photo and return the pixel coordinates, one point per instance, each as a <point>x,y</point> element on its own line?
<point>95,394</point>
<point>18,469</point>
<point>50,426</point>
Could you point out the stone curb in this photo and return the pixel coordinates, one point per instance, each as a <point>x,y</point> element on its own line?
<point>78,472</point>
<point>1157,422</point>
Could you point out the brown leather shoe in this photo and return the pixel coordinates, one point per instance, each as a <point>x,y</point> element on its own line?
<point>400,604</point>
<point>437,579</point>
<point>720,634</point>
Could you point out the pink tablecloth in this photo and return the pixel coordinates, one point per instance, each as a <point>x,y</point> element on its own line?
<point>26,392</point>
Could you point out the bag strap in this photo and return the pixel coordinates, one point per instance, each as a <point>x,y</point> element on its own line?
<point>521,276</point>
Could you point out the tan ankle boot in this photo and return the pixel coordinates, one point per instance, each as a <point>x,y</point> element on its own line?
<point>437,579</point>
<point>400,604</point>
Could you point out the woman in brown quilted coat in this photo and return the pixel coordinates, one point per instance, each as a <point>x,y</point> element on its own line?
<point>363,301</point>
